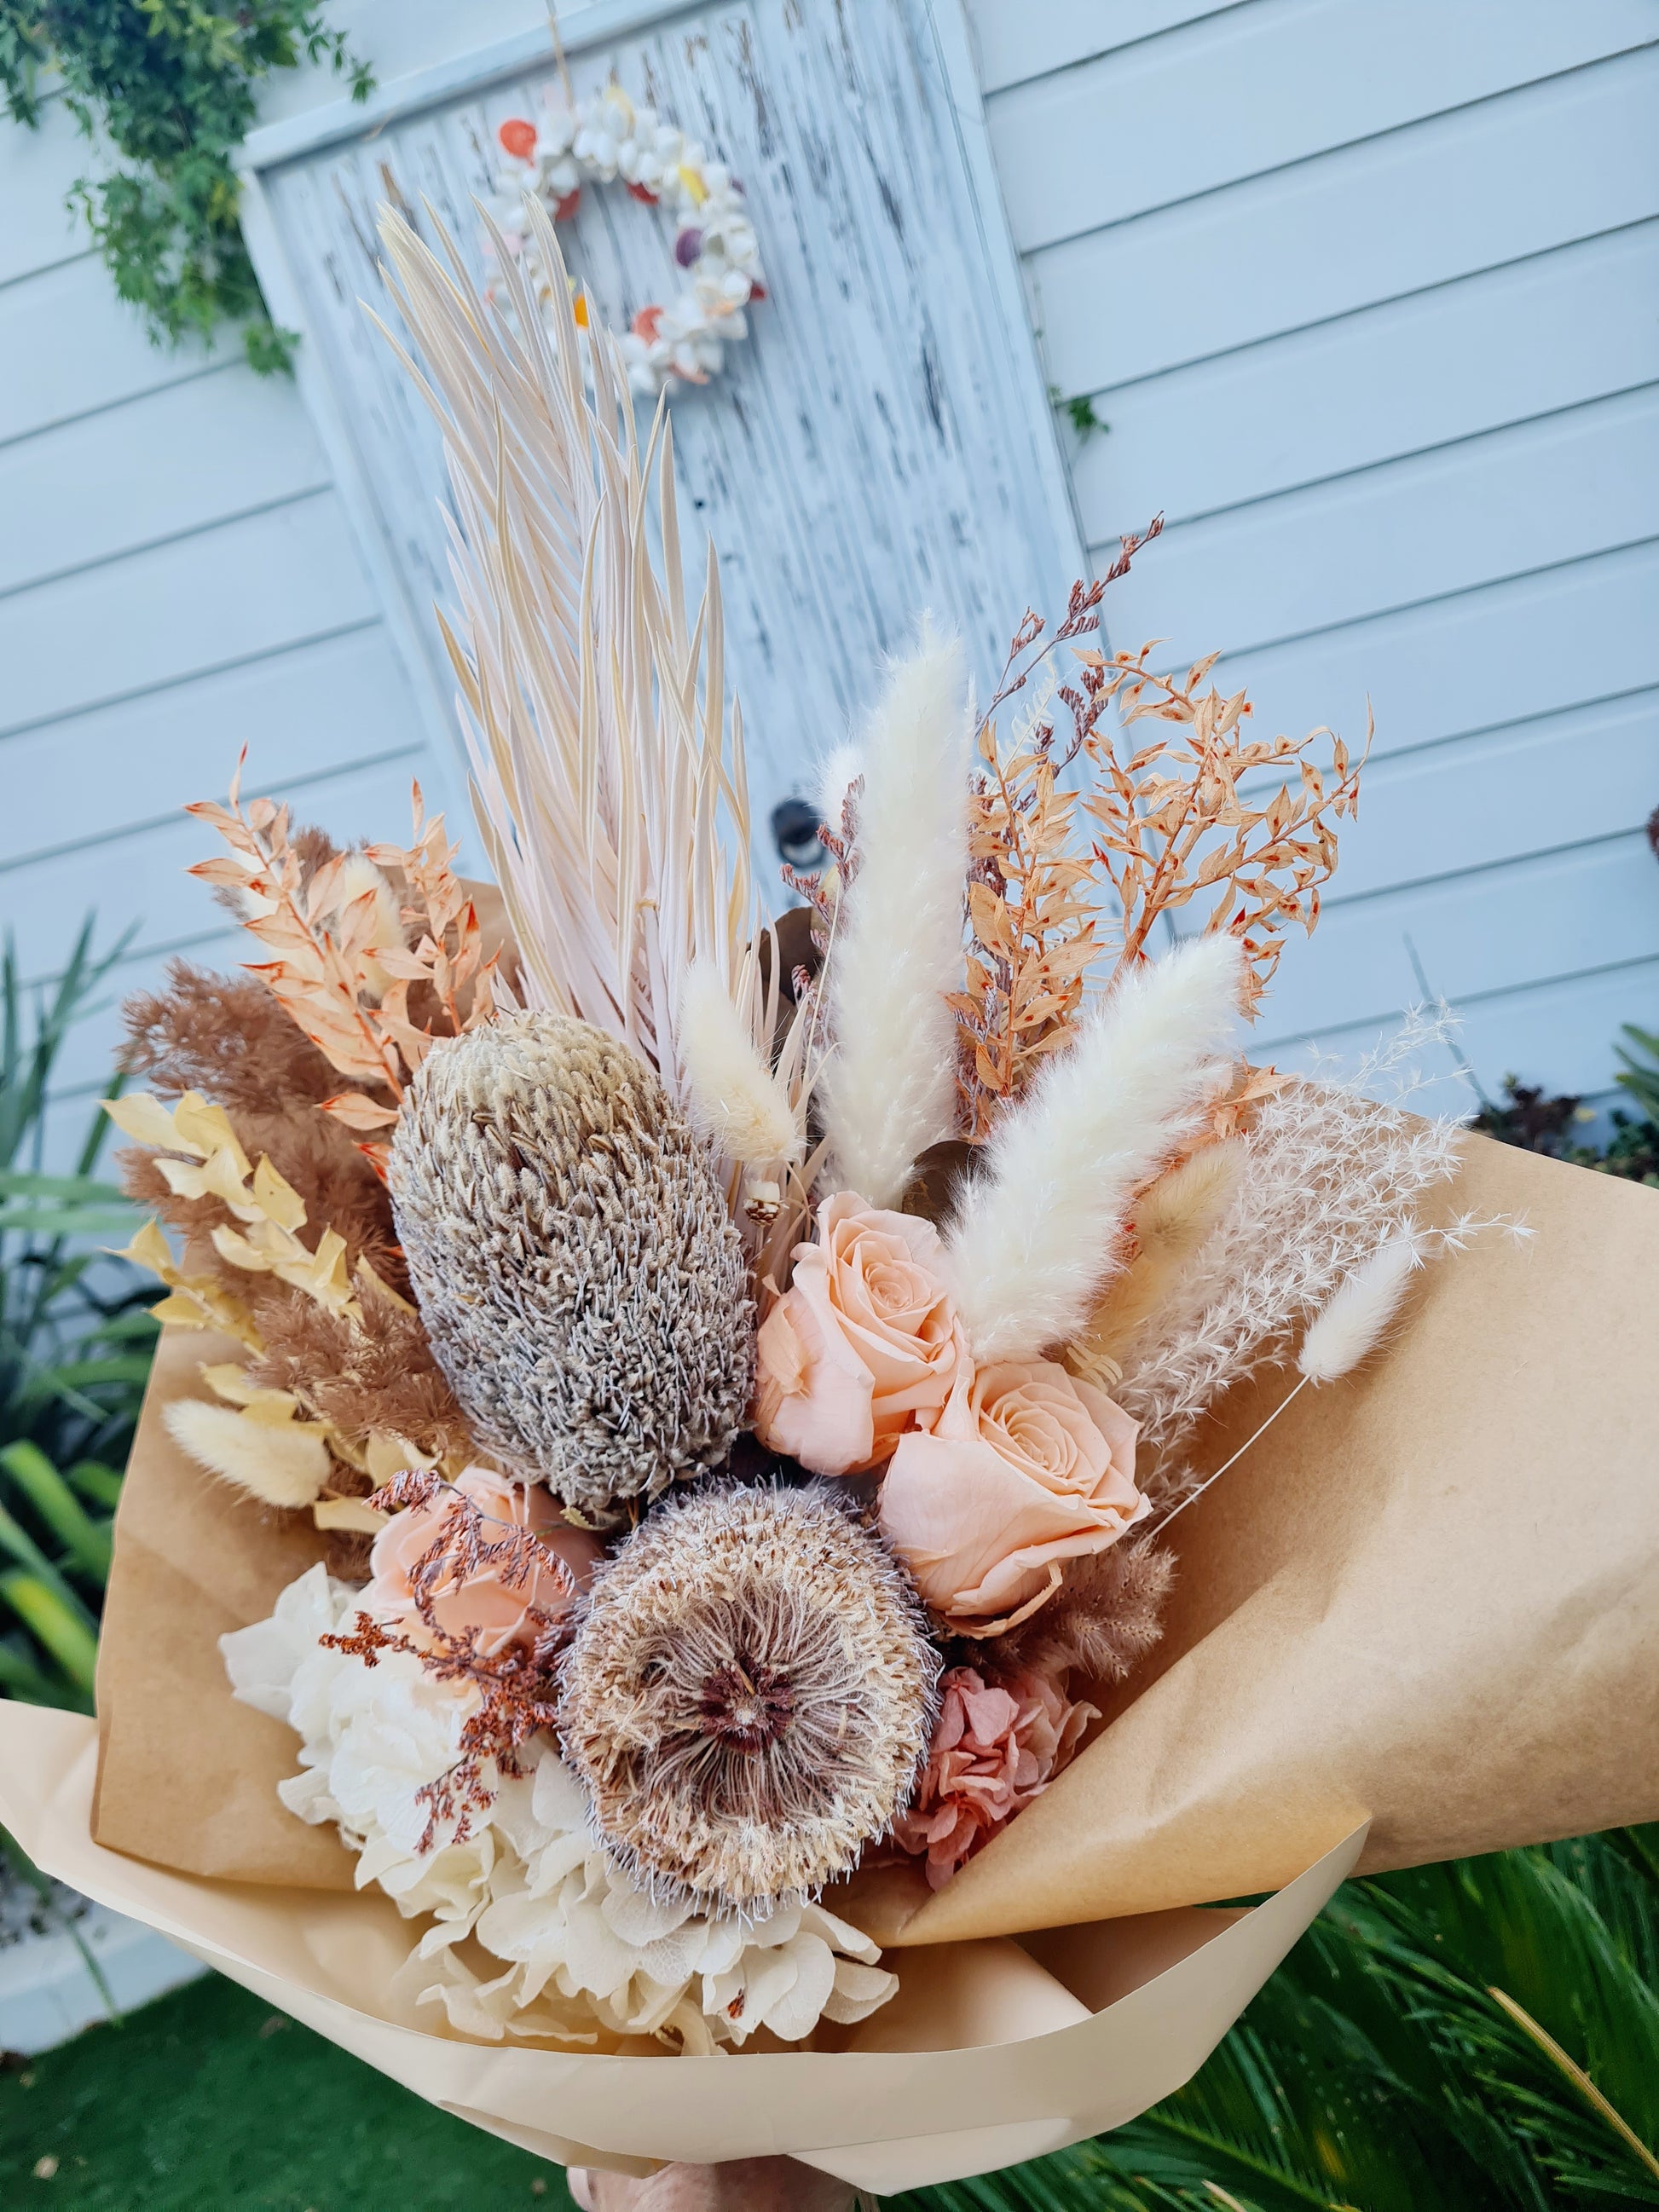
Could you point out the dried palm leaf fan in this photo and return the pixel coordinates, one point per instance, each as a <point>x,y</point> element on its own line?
<point>609,783</point>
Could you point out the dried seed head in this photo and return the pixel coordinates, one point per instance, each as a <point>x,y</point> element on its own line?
<point>749,1697</point>
<point>576,1266</point>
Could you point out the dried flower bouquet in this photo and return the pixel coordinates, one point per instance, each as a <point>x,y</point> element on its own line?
<point>699,1414</point>
<point>741,1375</point>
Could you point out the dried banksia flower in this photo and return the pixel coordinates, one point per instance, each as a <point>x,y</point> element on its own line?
<point>751,1696</point>
<point>578,1272</point>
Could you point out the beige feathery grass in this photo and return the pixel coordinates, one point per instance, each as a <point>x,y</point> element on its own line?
<point>608,779</point>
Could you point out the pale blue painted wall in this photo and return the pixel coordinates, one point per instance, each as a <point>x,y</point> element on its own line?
<point>1368,293</point>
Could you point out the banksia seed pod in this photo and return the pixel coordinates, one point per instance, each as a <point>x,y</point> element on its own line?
<point>575,1265</point>
<point>749,1697</point>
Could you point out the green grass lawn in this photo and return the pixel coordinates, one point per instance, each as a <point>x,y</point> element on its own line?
<point>208,2101</point>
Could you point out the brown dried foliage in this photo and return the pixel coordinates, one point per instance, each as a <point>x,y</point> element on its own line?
<point>359,1377</point>
<point>518,1686</point>
<point>1105,1619</point>
<point>373,1010</point>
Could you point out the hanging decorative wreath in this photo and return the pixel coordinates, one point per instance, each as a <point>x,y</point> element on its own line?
<point>604,139</point>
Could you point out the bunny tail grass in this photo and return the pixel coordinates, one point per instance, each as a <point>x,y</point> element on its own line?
<point>732,1097</point>
<point>890,1088</point>
<point>1346,1330</point>
<point>1033,1243</point>
<point>1353,1320</point>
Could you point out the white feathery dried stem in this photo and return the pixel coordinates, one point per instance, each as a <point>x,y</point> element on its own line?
<point>1033,1242</point>
<point>1350,1324</point>
<point>732,1097</point>
<point>1328,1176</point>
<point>1346,1329</point>
<point>608,789</point>
<point>1171,1221</point>
<point>890,1090</point>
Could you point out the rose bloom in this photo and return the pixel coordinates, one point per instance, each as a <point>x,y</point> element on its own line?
<point>863,1347</point>
<point>996,1747</point>
<point>1025,1468</point>
<point>484,1603</point>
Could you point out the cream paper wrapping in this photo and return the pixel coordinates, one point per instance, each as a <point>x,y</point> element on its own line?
<point>1427,1606</point>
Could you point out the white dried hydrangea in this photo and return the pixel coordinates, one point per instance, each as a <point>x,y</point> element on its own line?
<point>580,1949</point>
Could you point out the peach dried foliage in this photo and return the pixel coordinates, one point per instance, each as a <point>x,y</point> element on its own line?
<point>335,975</point>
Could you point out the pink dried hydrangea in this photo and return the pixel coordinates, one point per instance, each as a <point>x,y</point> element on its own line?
<point>997,1745</point>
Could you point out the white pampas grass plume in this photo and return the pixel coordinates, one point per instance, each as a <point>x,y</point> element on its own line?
<point>1032,1243</point>
<point>279,1462</point>
<point>890,1088</point>
<point>732,1097</point>
<point>1352,1322</point>
<point>837,772</point>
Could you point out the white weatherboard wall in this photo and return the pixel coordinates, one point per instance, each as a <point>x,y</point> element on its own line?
<point>1368,294</point>
<point>177,580</point>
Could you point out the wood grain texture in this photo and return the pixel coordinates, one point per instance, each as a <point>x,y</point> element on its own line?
<point>880,444</point>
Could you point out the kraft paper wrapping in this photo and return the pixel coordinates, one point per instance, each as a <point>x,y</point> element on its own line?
<point>1428,1600</point>
<point>985,2057</point>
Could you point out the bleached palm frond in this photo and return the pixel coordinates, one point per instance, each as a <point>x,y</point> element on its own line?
<point>1033,1242</point>
<point>890,1090</point>
<point>608,781</point>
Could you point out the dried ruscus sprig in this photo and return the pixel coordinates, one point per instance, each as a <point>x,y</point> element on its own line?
<point>749,1697</point>
<point>516,1687</point>
<point>577,1269</point>
<point>1176,819</point>
<point>373,1003</point>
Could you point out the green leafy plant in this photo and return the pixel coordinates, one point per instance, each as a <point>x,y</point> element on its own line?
<point>1480,2037</point>
<point>76,1343</point>
<point>169,86</point>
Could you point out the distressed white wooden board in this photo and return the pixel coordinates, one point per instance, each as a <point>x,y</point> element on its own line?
<point>208,601</point>
<point>881,443</point>
<point>1502,347</point>
<point>1013,42</point>
<point>1228,98</point>
<point>1500,505</point>
<point>37,168</point>
<point>1540,167</point>
<point>1563,779</point>
<point>153,755</point>
<point>154,468</point>
<point>1562,1033</point>
<point>143,878</point>
<point>1481,659</point>
<point>70,346</point>
<point>1531,921</point>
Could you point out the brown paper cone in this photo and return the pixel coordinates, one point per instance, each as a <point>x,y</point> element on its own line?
<point>1429,1597</point>
<point>988,2057</point>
